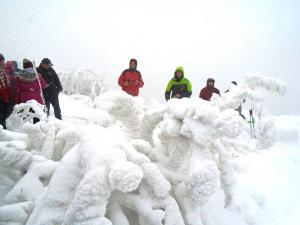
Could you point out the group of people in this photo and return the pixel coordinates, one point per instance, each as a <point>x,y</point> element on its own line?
<point>18,86</point>
<point>21,85</point>
<point>178,87</point>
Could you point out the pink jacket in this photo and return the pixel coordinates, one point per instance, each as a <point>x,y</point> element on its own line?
<point>27,87</point>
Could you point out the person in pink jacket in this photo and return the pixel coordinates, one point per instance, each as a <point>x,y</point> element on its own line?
<point>27,85</point>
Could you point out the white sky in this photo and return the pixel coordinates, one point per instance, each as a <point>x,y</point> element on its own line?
<point>221,39</point>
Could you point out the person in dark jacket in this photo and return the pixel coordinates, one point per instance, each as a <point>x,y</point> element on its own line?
<point>131,79</point>
<point>4,93</point>
<point>54,86</point>
<point>207,92</point>
<point>178,86</point>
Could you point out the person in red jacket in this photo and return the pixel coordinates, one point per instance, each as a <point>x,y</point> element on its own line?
<point>208,91</point>
<point>131,79</point>
<point>4,92</point>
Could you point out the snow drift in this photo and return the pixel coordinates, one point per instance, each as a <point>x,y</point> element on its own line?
<point>131,163</point>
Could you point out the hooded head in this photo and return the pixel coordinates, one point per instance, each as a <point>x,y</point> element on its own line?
<point>133,64</point>
<point>179,72</point>
<point>27,64</point>
<point>210,82</point>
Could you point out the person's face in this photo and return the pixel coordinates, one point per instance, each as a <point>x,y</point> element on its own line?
<point>45,66</point>
<point>132,65</point>
<point>210,83</point>
<point>179,74</point>
<point>2,62</point>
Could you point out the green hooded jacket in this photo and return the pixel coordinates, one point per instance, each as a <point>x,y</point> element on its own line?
<point>178,86</point>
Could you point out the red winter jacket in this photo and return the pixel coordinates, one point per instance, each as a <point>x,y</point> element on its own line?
<point>27,87</point>
<point>4,85</point>
<point>131,75</point>
<point>208,91</point>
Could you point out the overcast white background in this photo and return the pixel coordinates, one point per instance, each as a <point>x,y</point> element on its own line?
<point>220,39</point>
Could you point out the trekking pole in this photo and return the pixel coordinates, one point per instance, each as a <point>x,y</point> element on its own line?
<point>252,122</point>
<point>41,90</point>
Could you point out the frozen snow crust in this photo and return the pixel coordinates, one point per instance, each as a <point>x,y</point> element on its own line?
<point>123,162</point>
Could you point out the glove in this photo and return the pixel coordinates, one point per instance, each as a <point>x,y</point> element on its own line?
<point>127,82</point>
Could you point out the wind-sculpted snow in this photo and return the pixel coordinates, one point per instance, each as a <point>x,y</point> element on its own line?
<point>127,162</point>
<point>84,82</point>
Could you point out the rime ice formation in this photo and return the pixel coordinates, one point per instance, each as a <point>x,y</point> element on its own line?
<point>127,162</point>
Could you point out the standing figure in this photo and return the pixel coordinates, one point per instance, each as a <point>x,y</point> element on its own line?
<point>208,91</point>
<point>51,93</point>
<point>178,86</point>
<point>131,79</point>
<point>29,85</point>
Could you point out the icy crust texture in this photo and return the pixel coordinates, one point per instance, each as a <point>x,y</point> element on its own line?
<point>83,81</point>
<point>129,163</point>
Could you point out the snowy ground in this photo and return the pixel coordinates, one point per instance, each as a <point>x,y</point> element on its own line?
<point>115,159</point>
<point>270,178</point>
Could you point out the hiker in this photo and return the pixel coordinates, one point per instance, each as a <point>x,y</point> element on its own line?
<point>178,86</point>
<point>51,93</point>
<point>28,87</point>
<point>131,79</point>
<point>4,93</point>
<point>207,92</point>
<point>239,109</point>
<point>12,70</point>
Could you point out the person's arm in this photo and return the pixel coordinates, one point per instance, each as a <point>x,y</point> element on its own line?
<point>201,93</point>
<point>122,79</point>
<point>168,90</point>
<point>140,81</point>
<point>57,82</point>
<point>217,92</point>
<point>188,92</point>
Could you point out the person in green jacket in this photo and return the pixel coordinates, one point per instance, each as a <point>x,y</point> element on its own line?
<point>178,86</point>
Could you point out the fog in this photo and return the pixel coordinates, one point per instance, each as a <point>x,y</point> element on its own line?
<point>221,39</point>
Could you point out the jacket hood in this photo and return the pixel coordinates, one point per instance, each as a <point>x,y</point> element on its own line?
<point>210,79</point>
<point>181,69</point>
<point>27,75</point>
<point>133,60</point>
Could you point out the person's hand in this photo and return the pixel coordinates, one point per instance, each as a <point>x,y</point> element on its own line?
<point>136,82</point>
<point>127,83</point>
<point>177,96</point>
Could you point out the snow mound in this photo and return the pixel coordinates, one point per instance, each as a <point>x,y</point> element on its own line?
<point>131,163</point>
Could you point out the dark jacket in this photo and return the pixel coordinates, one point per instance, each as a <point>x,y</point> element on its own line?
<point>51,78</point>
<point>208,91</point>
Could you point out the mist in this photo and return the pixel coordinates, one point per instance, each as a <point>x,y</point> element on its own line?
<point>225,40</point>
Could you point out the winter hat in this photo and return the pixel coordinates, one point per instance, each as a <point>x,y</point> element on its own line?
<point>210,79</point>
<point>180,68</point>
<point>47,61</point>
<point>1,57</point>
<point>133,60</point>
<point>234,82</point>
<point>27,64</point>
